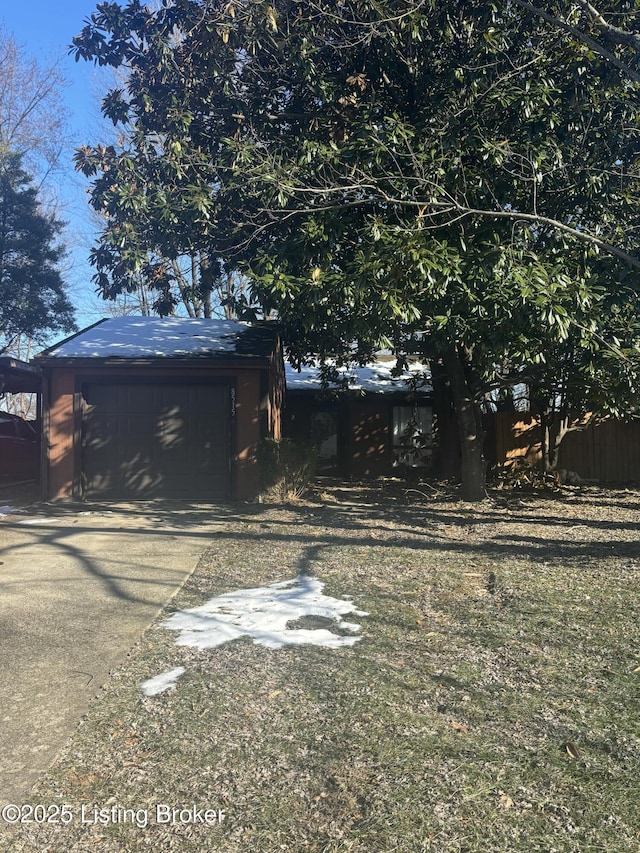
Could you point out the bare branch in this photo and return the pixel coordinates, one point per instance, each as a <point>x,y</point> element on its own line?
<point>32,115</point>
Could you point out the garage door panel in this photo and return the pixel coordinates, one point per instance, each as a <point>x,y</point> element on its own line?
<point>161,440</point>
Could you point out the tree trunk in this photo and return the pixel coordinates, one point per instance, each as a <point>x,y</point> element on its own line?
<point>545,442</point>
<point>447,458</point>
<point>551,450</point>
<point>469,429</point>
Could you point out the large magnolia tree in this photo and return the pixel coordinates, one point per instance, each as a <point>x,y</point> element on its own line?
<point>453,179</point>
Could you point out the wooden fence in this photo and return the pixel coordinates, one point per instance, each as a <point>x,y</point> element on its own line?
<point>608,451</point>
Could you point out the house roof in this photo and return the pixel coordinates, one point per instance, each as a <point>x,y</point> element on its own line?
<point>18,376</point>
<point>374,378</point>
<point>166,337</point>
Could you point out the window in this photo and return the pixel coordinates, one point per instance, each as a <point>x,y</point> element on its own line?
<point>412,436</point>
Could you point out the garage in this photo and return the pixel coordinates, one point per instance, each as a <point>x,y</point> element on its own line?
<point>20,417</point>
<point>148,441</point>
<point>143,408</point>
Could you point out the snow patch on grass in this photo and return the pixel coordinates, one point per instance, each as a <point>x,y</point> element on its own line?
<point>41,520</point>
<point>264,613</point>
<point>160,683</point>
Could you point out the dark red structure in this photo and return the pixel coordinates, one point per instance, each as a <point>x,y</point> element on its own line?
<point>140,407</point>
<point>371,424</point>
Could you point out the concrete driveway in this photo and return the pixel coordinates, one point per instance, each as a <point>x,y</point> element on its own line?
<point>78,586</point>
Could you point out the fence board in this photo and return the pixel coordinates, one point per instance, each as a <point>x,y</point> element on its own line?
<point>608,451</point>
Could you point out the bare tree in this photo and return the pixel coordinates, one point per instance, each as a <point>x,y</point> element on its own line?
<point>32,112</point>
<point>22,403</point>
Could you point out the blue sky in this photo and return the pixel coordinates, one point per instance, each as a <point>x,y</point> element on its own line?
<point>44,29</point>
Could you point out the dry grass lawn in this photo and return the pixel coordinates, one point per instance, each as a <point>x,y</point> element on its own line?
<point>491,704</point>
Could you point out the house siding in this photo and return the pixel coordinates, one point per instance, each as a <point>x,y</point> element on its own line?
<point>59,442</point>
<point>369,438</point>
<point>276,392</point>
<point>364,429</point>
<point>247,432</point>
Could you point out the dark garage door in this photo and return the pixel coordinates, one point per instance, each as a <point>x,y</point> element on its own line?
<point>147,441</point>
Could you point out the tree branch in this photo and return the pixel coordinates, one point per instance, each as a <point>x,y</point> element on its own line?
<point>613,34</point>
<point>583,37</point>
<point>538,219</point>
<point>434,208</point>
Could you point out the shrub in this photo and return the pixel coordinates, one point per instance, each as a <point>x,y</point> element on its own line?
<point>286,468</point>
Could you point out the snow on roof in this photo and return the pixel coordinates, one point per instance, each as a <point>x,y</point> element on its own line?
<point>376,377</point>
<point>154,337</point>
